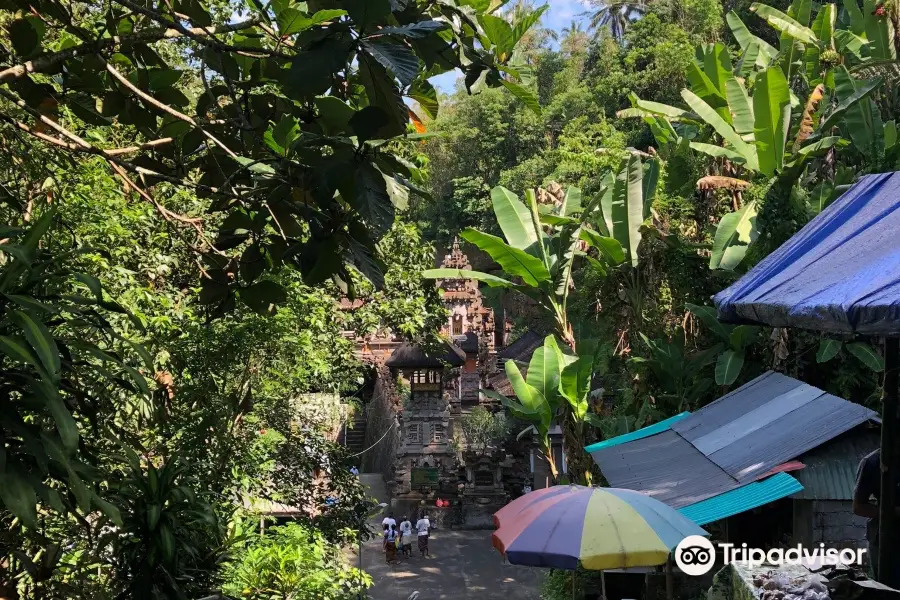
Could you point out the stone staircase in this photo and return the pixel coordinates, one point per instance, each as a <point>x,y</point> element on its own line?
<point>354,436</point>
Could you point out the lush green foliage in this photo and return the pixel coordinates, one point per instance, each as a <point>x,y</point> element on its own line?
<point>704,151</point>
<point>189,191</point>
<point>293,563</point>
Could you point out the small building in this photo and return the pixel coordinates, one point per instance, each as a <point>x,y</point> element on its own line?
<point>425,460</point>
<point>774,441</point>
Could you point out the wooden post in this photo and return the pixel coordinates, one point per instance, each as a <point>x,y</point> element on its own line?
<point>670,580</point>
<point>889,463</point>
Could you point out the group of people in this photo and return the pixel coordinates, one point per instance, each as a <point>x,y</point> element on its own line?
<point>400,538</point>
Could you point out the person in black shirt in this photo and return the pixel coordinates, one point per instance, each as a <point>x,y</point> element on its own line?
<point>868,485</point>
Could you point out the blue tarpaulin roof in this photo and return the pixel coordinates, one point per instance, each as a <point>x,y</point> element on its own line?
<point>840,273</point>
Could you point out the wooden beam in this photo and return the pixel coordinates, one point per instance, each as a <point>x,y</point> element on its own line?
<point>887,516</point>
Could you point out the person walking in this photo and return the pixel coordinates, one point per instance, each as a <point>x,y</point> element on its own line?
<point>389,520</point>
<point>423,526</point>
<point>390,545</point>
<point>406,537</point>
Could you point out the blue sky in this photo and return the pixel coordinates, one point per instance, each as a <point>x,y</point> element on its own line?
<point>560,14</point>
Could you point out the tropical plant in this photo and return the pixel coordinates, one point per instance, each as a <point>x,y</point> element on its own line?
<point>291,562</point>
<point>281,120</point>
<point>735,339</point>
<point>615,15</point>
<point>483,430</point>
<point>60,356</point>
<point>556,384</point>
<point>171,539</point>
<point>677,372</point>
<point>831,348</point>
<point>540,265</point>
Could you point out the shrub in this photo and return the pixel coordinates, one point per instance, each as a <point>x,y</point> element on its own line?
<point>291,562</point>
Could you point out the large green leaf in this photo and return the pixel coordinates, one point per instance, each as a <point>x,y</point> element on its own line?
<point>606,199</point>
<point>292,20</point>
<point>531,400</point>
<point>544,371</point>
<point>719,152</point>
<point>862,119</point>
<point>499,32</point>
<point>765,51</point>
<point>514,219</point>
<point>879,31</point>
<point>491,280</point>
<point>867,355</point>
<point>739,105</point>
<point>527,21</point>
<point>850,93</point>
<point>19,350</point>
<point>628,207</point>
<point>772,113</point>
<point>18,496</point>
<point>383,94</point>
<point>857,20</point>
<point>571,204</point>
<point>524,94</point>
<point>41,340</point>
<point>708,114</point>
<point>515,262</point>
<point>823,28</point>
<point>717,66</point>
<point>828,349</point>
<point>707,315</point>
<point>784,23</point>
<point>396,58</point>
<point>65,423</point>
<point>576,376</point>
<point>736,231</point>
<point>609,247</point>
<point>728,367</point>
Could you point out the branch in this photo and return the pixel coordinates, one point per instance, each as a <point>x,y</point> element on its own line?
<point>202,39</point>
<point>163,107</point>
<point>45,61</point>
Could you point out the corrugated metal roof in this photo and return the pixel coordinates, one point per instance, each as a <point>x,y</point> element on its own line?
<point>524,346</point>
<point>830,472</point>
<point>664,466</point>
<point>736,440</point>
<point>766,422</point>
<point>744,498</point>
<point>637,435</point>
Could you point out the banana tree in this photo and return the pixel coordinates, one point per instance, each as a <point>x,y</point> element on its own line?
<point>538,258</point>
<point>736,339</point>
<point>540,250</point>
<point>537,395</point>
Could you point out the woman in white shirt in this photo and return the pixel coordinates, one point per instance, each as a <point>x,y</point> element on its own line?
<point>423,525</point>
<point>406,537</point>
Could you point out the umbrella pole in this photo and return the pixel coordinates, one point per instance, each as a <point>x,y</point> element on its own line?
<point>670,580</point>
<point>603,584</point>
<point>889,464</point>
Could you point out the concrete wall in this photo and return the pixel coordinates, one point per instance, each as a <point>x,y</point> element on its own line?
<point>835,525</point>
<point>381,414</point>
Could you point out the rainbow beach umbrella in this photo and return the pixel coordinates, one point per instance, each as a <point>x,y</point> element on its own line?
<point>602,528</point>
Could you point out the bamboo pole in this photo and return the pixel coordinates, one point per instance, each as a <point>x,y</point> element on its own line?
<point>889,463</point>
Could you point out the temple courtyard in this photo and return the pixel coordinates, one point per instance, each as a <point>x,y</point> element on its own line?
<point>462,565</point>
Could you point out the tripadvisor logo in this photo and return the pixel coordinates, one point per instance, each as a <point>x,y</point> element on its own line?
<point>696,555</point>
